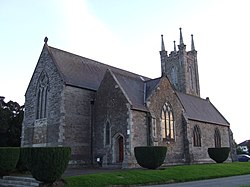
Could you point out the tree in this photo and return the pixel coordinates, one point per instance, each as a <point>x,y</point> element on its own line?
<point>248,146</point>
<point>11,117</point>
<point>239,151</point>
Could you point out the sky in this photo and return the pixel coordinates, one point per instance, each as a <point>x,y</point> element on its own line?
<point>127,35</point>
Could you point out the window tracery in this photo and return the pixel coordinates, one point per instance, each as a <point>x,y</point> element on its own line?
<point>42,96</point>
<point>217,138</point>
<point>167,122</point>
<point>196,136</point>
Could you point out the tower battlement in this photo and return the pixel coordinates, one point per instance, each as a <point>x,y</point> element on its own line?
<point>181,67</point>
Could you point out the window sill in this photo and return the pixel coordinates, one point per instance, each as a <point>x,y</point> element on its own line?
<point>40,122</point>
<point>168,140</point>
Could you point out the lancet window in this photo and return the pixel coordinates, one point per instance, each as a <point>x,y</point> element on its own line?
<point>197,136</point>
<point>42,96</point>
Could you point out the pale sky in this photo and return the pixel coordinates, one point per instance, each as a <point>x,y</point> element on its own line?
<point>126,34</point>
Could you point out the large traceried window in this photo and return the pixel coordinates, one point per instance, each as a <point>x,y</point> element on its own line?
<point>42,96</point>
<point>167,122</point>
<point>217,138</point>
<point>197,136</point>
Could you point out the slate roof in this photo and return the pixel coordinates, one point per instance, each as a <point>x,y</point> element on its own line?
<point>200,109</point>
<point>134,88</point>
<point>151,86</point>
<point>245,143</point>
<point>86,73</point>
<point>83,72</point>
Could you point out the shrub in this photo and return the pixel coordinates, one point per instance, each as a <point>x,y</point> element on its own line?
<point>8,159</point>
<point>23,162</point>
<point>218,154</point>
<point>150,157</point>
<point>47,164</point>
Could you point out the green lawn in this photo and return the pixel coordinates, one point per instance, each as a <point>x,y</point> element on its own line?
<point>160,176</point>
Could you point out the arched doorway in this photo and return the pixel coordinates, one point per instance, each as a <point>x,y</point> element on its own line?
<point>120,145</point>
<point>118,153</point>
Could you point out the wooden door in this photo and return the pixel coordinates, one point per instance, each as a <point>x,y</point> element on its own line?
<point>121,149</point>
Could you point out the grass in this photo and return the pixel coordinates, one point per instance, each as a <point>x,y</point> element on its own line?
<point>161,176</point>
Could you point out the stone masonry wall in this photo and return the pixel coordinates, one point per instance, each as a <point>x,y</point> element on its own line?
<point>76,131</point>
<point>139,129</point>
<point>138,133</point>
<point>184,65</point>
<point>199,154</point>
<point>111,106</point>
<point>43,132</point>
<point>162,94</point>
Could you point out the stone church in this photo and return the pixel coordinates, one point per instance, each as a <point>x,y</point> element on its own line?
<point>103,112</point>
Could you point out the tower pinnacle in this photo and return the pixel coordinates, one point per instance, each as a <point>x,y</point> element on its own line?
<point>162,43</point>
<point>181,67</point>
<point>181,38</point>
<point>192,43</point>
<point>174,47</point>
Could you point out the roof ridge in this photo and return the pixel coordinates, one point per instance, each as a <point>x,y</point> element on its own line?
<point>137,78</point>
<point>152,79</point>
<point>194,96</point>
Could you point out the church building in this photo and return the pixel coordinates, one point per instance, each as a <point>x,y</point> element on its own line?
<point>103,112</point>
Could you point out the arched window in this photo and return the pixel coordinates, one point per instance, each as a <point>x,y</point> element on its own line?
<point>217,138</point>
<point>196,136</point>
<point>107,133</point>
<point>191,77</point>
<point>167,122</point>
<point>154,130</point>
<point>42,95</point>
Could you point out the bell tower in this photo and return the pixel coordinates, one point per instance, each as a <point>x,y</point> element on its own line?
<point>181,67</point>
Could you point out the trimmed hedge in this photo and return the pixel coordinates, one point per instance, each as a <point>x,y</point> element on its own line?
<point>23,161</point>
<point>218,154</point>
<point>47,164</point>
<point>150,157</point>
<point>8,159</point>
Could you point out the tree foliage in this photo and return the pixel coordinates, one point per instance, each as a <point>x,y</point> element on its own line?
<point>47,164</point>
<point>11,117</point>
<point>248,146</point>
<point>8,159</point>
<point>150,157</point>
<point>219,154</point>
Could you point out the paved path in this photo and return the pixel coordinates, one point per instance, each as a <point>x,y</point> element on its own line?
<point>234,181</point>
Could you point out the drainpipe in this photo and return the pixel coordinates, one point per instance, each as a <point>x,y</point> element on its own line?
<point>149,133</point>
<point>148,117</point>
<point>92,102</point>
<point>188,155</point>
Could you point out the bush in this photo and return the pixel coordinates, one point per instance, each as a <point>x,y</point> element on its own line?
<point>150,157</point>
<point>8,159</point>
<point>23,162</point>
<point>47,164</point>
<point>218,154</point>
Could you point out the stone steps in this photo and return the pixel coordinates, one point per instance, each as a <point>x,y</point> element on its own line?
<point>14,181</point>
